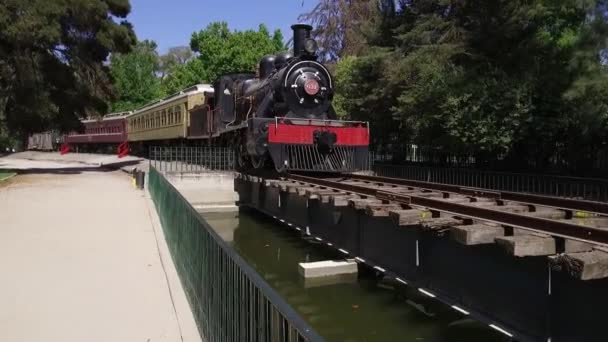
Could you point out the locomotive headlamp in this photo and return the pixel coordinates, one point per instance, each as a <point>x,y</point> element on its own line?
<point>310,46</point>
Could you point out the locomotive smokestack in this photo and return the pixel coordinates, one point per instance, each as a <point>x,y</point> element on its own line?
<point>301,32</point>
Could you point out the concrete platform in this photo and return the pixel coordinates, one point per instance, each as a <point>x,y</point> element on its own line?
<point>208,192</point>
<point>327,268</point>
<point>224,223</point>
<point>83,258</point>
<point>41,161</point>
<point>309,283</point>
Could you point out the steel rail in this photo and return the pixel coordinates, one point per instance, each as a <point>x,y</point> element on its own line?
<point>558,202</point>
<point>566,203</point>
<point>540,225</point>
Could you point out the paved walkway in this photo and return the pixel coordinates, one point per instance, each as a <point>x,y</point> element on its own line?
<point>82,258</point>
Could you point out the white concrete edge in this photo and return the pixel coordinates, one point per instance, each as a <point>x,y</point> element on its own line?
<point>185,317</point>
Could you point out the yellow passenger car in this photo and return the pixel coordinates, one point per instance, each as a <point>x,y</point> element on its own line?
<point>166,119</point>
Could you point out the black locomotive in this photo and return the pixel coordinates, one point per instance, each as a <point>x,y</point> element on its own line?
<point>285,113</point>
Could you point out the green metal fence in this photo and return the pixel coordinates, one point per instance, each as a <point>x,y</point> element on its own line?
<point>229,300</point>
<point>191,159</point>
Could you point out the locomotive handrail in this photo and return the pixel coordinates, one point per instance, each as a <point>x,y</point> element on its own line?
<point>93,134</point>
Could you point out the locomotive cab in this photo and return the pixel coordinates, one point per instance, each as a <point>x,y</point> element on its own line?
<point>227,94</point>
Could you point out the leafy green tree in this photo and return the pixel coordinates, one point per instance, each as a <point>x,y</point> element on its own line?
<point>135,77</point>
<point>181,76</point>
<point>52,55</point>
<point>176,56</point>
<point>223,51</point>
<point>522,81</point>
<point>358,98</point>
<point>6,141</point>
<point>343,78</point>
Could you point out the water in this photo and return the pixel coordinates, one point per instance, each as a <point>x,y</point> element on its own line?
<point>360,309</point>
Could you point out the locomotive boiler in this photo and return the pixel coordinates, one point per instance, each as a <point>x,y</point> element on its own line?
<point>283,115</point>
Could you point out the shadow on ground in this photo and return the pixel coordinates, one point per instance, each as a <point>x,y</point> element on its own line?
<point>70,169</point>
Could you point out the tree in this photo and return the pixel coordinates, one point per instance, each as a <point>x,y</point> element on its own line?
<point>223,51</point>
<point>135,77</point>
<point>359,98</point>
<point>341,26</point>
<point>181,76</point>
<point>52,56</point>
<point>521,81</point>
<point>176,56</point>
<point>219,51</point>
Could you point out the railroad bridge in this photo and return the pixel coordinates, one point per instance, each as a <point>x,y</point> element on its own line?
<point>529,266</point>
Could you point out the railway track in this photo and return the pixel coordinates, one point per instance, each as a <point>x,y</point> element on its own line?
<point>448,205</point>
<point>558,202</point>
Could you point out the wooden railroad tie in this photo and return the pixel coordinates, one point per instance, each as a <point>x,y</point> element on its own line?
<point>583,266</point>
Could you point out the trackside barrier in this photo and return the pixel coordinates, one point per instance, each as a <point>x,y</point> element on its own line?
<point>591,189</point>
<point>139,178</point>
<point>191,159</point>
<point>65,149</point>
<point>123,149</point>
<point>229,300</point>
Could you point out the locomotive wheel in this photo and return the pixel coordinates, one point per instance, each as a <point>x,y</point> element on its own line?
<point>258,162</point>
<point>243,162</point>
<point>281,168</point>
<point>240,160</point>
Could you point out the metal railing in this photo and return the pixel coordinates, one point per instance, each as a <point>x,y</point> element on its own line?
<point>593,163</point>
<point>229,300</point>
<point>191,159</point>
<point>591,189</point>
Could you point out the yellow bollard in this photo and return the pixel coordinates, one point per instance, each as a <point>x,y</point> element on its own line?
<point>582,214</point>
<point>134,179</point>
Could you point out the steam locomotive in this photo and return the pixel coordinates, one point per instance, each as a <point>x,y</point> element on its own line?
<point>283,116</point>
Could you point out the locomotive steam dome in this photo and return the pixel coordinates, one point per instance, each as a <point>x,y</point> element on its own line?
<point>281,59</point>
<point>267,66</point>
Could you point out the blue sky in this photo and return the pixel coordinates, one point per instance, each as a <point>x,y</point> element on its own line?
<point>171,23</point>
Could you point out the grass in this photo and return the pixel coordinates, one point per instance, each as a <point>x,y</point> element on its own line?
<point>5,175</point>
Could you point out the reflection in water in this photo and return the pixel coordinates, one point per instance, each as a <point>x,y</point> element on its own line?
<point>362,309</point>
